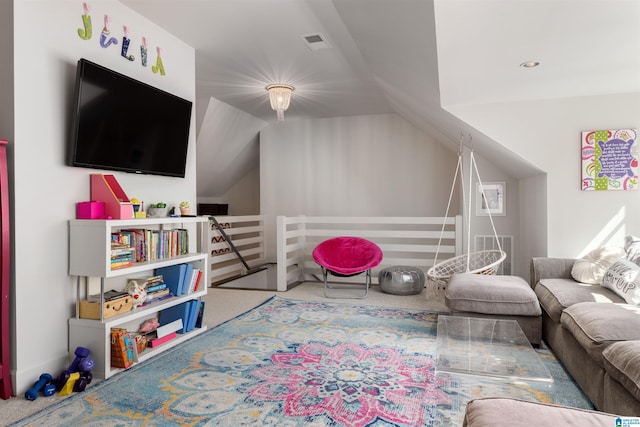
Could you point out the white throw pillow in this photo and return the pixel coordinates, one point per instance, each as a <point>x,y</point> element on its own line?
<point>632,248</point>
<point>591,268</point>
<point>623,278</point>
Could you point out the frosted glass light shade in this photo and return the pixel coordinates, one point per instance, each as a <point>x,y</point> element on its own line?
<point>280,96</point>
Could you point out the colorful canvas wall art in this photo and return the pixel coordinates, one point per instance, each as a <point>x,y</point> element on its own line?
<point>609,159</point>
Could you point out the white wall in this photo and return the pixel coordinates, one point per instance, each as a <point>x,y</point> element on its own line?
<point>228,148</point>
<point>503,225</point>
<point>243,197</point>
<point>47,48</point>
<point>532,198</point>
<point>377,165</point>
<point>547,133</point>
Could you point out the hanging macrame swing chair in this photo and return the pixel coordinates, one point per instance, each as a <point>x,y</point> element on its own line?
<point>481,262</point>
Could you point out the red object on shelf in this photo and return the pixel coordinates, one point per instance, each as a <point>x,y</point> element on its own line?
<point>105,188</point>
<point>5,253</point>
<point>155,342</point>
<point>90,210</point>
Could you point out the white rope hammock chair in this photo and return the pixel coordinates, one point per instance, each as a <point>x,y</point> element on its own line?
<point>480,262</point>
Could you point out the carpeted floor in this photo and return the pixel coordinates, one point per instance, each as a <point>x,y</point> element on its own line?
<point>300,363</point>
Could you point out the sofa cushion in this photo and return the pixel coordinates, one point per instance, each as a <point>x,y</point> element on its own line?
<point>623,278</point>
<point>591,268</point>
<point>622,363</point>
<point>596,326</point>
<point>557,294</point>
<point>477,293</point>
<point>632,248</point>
<point>499,411</point>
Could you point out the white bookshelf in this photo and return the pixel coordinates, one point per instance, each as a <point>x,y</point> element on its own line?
<point>89,261</point>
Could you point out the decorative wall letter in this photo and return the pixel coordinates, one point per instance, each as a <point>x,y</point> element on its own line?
<point>158,66</point>
<point>105,39</point>
<point>86,32</point>
<point>143,52</point>
<point>610,159</point>
<point>125,44</point>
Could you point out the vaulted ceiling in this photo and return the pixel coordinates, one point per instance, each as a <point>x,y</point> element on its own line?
<point>415,58</point>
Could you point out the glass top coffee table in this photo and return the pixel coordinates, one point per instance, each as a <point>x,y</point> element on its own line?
<point>487,347</point>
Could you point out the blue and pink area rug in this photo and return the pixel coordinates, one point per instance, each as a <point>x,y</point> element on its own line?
<point>292,363</point>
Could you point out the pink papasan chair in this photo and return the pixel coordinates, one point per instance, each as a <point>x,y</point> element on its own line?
<point>344,257</point>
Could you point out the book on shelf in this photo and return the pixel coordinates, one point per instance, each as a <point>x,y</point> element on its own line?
<point>164,330</point>
<point>156,287</point>
<point>140,341</point>
<point>145,282</point>
<point>193,280</point>
<point>174,276</point>
<point>186,278</point>
<point>154,279</point>
<point>151,244</point>
<point>132,346</point>
<point>120,240</point>
<point>155,342</point>
<point>108,296</point>
<point>121,264</point>
<point>193,314</point>
<point>171,314</point>
<point>122,252</point>
<point>200,315</point>
<point>157,296</point>
<point>197,285</point>
<point>121,350</point>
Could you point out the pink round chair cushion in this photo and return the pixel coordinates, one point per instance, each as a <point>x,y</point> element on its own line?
<point>347,255</point>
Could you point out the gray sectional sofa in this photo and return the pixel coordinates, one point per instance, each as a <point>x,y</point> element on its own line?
<point>497,412</point>
<point>593,332</point>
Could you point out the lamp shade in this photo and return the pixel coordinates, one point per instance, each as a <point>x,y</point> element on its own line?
<point>280,96</point>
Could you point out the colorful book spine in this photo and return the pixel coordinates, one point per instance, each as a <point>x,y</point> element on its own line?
<point>197,285</point>
<point>155,342</point>
<point>157,287</point>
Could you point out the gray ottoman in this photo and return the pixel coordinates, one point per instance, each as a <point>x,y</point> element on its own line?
<point>496,297</point>
<point>401,280</point>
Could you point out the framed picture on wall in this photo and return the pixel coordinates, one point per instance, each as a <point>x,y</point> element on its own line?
<point>491,199</point>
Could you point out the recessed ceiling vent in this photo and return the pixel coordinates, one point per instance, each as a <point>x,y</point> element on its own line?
<point>315,41</point>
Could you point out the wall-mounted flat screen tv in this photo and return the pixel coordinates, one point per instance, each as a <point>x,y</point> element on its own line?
<point>126,125</point>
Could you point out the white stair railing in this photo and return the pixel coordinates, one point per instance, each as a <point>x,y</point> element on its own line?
<point>409,241</point>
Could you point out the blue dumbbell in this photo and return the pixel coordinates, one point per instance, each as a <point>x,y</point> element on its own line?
<point>41,384</point>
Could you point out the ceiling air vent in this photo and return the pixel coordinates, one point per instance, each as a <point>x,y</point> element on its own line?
<point>315,41</point>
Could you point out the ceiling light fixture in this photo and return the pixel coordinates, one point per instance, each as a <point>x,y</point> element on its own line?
<point>530,64</point>
<point>280,96</point>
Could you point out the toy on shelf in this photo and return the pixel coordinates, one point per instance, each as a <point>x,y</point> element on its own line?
<point>44,384</point>
<point>149,325</point>
<point>138,208</point>
<point>82,366</point>
<point>138,293</point>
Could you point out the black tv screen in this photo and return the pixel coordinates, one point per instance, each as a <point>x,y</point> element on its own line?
<point>126,125</point>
